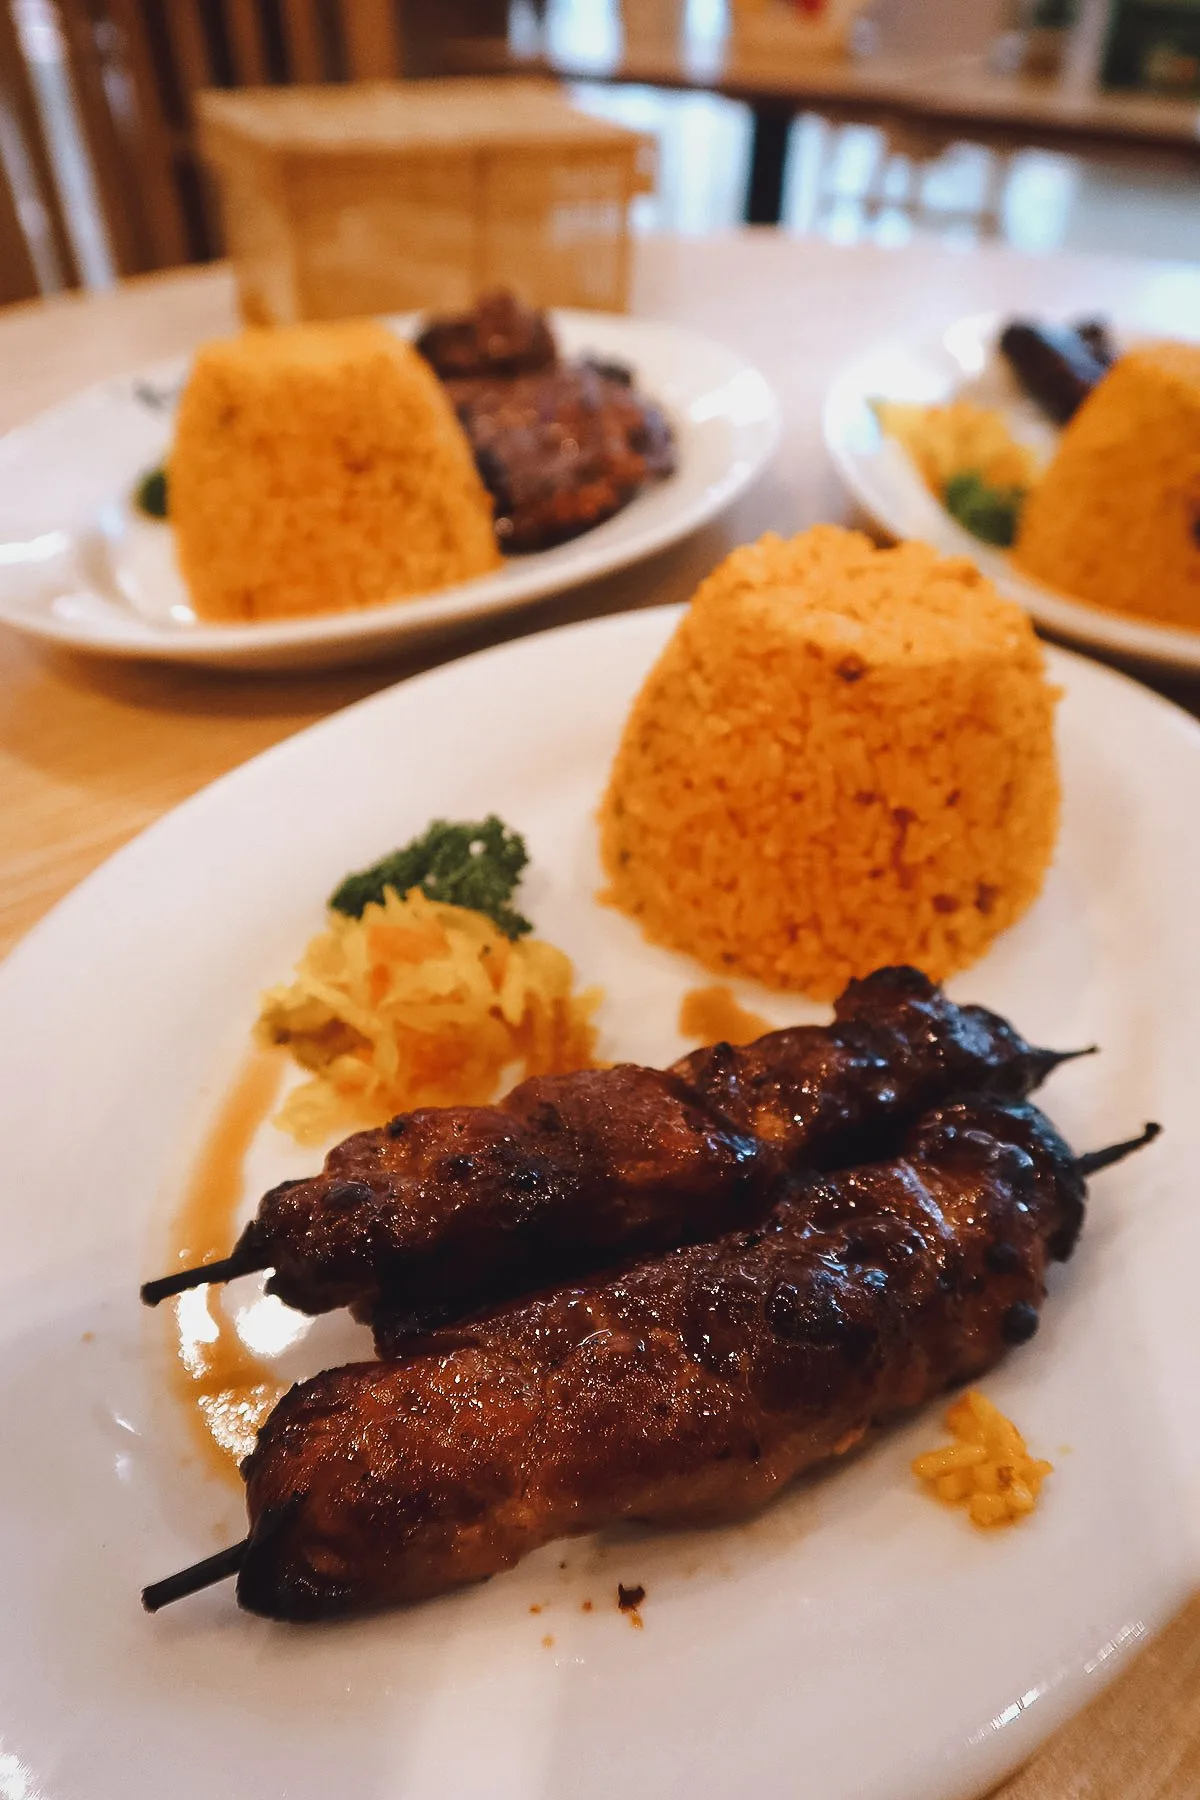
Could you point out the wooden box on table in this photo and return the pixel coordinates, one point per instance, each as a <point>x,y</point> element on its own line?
<point>384,196</point>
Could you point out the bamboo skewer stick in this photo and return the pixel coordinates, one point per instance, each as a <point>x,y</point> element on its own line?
<point>227,1268</point>
<point>191,1580</point>
<point>1096,1160</point>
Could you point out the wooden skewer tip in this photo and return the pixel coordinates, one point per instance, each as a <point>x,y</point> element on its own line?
<point>220,1567</point>
<point>1095,1160</point>
<point>228,1268</point>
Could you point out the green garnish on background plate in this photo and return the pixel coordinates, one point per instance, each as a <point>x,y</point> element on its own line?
<point>151,494</point>
<point>989,513</point>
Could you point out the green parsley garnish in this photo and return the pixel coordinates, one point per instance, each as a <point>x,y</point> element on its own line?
<point>477,866</point>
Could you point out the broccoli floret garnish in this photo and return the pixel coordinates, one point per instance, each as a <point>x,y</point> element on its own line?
<point>477,866</point>
<point>989,513</point>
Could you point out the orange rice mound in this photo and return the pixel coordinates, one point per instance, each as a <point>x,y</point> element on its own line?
<point>1115,518</point>
<point>843,758</point>
<point>319,468</point>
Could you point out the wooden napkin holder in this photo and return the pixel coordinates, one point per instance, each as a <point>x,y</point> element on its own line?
<point>382,197</point>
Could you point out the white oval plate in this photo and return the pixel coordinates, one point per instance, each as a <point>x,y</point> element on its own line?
<point>886,484</point>
<point>80,566</point>
<point>857,1641</point>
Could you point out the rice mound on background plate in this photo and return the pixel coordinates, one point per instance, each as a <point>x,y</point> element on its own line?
<point>1116,516</point>
<point>843,758</point>
<point>321,468</point>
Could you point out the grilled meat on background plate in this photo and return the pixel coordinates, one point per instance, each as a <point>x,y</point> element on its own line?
<point>499,336</point>
<point>1058,365</point>
<point>561,451</point>
<point>561,445</point>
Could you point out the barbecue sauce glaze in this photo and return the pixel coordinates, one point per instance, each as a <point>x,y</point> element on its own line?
<point>225,1390</point>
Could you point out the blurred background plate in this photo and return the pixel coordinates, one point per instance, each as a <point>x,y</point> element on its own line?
<point>80,566</point>
<point>885,482</point>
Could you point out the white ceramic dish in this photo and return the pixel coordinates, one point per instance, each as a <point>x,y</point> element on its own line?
<point>887,486</point>
<point>857,1642</point>
<point>81,567</point>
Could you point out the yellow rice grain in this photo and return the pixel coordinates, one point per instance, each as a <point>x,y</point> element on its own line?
<point>1116,516</point>
<point>954,1487</point>
<point>320,468</point>
<point>944,1462</point>
<point>843,758</point>
<point>988,1469</point>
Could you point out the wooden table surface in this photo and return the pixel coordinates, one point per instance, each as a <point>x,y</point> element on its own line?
<point>923,101</point>
<point>91,751</point>
<point>1051,109</point>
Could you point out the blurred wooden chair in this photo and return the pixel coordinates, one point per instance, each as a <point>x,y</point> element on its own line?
<point>137,66</point>
<point>455,37</point>
<point>36,255</point>
<point>941,30</point>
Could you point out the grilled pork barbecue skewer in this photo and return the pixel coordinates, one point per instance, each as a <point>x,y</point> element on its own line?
<point>686,1389</point>
<point>448,1209</point>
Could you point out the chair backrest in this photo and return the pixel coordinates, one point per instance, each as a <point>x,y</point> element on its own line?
<point>18,276</point>
<point>36,254</point>
<point>137,66</point>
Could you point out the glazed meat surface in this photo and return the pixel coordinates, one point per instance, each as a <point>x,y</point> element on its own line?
<point>446,1207</point>
<point>445,1210</point>
<point>688,1388</point>
<point>499,336</point>
<point>561,445</point>
<point>562,450</point>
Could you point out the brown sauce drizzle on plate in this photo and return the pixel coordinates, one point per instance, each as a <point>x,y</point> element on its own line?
<point>712,1015</point>
<point>225,1389</point>
<point>629,1601</point>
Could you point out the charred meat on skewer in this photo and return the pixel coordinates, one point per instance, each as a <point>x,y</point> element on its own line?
<point>448,1209</point>
<point>1097,335</point>
<point>444,1209</point>
<point>688,1389</point>
<point>1057,365</point>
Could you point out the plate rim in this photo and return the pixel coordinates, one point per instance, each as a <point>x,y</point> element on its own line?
<point>1079,620</point>
<point>1004,1749</point>
<point>396,621</point>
